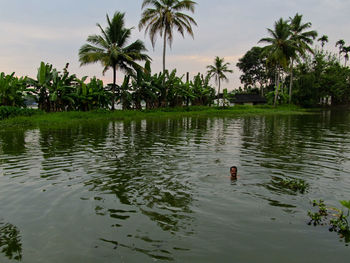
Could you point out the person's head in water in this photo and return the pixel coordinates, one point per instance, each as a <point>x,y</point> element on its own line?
<point>233,172</point>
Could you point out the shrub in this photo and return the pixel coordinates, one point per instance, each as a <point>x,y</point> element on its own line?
<point>9,112</point>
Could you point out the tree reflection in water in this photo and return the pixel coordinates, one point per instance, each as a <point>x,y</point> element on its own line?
<point>143,174</point>
<point>10,241</point>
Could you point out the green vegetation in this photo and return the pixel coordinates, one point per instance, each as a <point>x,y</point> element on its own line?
<point>279,50</point>
<point>111,49</point>
<point>64,118</point>
<point>336,219</point>
<point>56,92</point>
<point>296,185</point>
<point>12,90</point>
<point>287,70</point>
<point>302,41</point>
<point>323,39</point>
<point>10,241</point>
<point>9,112</point>
<point>218,71</point>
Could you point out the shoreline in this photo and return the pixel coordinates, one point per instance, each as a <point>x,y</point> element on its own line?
<point>74,117</point>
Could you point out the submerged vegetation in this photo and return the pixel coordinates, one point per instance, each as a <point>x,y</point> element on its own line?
<point>336,219</point>
<point>10,241</point>
<point>295,185</point>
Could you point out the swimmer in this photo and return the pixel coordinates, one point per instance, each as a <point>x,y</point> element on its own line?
<point>233,172</point>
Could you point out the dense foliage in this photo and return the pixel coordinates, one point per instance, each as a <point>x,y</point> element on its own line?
<point>288,69</point>
<point>56,91</point>
<point>10,111</point>
<point>112,49</point>
<point>12,90</point>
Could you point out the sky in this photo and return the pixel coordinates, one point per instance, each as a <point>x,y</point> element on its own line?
<point>32,31</point>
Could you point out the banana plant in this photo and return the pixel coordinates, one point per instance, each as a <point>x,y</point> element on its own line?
<point>40,87</point>
<point>158,83</point>
<point>123,93</point>
<point>143,88</point>
<point>12,90</point>
<point>92,95</point>
<point>174,84</point>
<point>62,90</point>
<point>203,93</point>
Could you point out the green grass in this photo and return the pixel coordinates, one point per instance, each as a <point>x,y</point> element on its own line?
<point>64,118</point>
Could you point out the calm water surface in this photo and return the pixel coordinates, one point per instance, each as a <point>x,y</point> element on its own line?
<point>159,191</point>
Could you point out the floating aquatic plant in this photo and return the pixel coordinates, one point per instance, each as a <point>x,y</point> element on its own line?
<point>296,185</point>
<point>337,219</point>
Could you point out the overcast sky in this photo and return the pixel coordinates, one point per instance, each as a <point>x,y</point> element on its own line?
<point>53,31</point>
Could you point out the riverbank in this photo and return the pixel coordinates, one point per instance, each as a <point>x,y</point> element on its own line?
<point>63,118</point>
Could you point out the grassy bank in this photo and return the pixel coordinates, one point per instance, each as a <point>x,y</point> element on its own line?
<point>63,118</point>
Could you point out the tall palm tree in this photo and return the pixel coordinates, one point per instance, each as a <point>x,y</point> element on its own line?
<point>218,71</point>
<point>279,50</point>
<point>163,16</point>
<point>112,49</point>
<point>341,44</point>
<point>302,40</point>
<point>346,51</point>
<point>323,40</point>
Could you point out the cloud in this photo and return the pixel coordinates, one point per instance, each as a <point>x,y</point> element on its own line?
<point>53,31</point>
<point>18,32</point>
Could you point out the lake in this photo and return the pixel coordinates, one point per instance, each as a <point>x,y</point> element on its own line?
<point>158,190</point>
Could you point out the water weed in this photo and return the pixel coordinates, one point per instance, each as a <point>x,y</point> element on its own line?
<point>336,219</point>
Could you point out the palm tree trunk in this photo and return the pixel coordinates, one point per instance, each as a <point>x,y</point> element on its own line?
<point>165,102</point>
<point>164,50</point>
<point>291,81</point>
<point>219,93</point>
<point>261,89</point>
<point>114,84</point>
<point>277,86</point>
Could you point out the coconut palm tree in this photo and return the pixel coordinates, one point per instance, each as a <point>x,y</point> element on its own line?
<point>279,50</point>
<point>323,40</point>
<point>112,49</point>
<point>341,44</point>
<point>163,16</point>
<point>346,51</point>
<point>302,40</point>
<point>218,71</point>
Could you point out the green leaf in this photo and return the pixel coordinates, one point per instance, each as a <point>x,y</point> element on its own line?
<point>84,89</point>
<point>345,204</point>
<point>42,73</point>
<point>53,96</point>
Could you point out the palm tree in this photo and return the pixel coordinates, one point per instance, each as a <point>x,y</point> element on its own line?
<point>218,71</point>
<point>112,50</point>
<point>346,51</point>
<point>163,16</point>
<point>341,44</point>
<point>280,48</point>
<point>302,41</point>
<point>323,40</point>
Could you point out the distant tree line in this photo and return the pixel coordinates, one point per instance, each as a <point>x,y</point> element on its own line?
<point>289,70</point>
